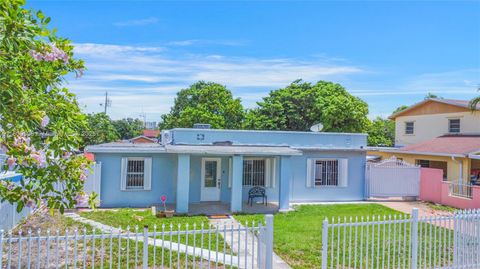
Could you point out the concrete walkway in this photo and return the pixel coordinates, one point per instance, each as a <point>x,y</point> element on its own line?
<point>245,244</point>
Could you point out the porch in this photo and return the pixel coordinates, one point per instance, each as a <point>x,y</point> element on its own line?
<point>220,208</point>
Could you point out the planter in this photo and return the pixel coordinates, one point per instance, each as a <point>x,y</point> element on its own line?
<point>166,214</point>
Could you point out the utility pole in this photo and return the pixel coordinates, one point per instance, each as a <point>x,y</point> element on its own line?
<point>107,103</point>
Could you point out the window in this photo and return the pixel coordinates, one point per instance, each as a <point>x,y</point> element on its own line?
<point>409,127</point>
<point>454,125</point>
<point>326,173</point>
<point>254,172</point>
<point>136,173</point>
<point>423,163</point>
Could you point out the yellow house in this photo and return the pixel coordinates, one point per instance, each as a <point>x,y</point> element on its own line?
<point>437,133</point>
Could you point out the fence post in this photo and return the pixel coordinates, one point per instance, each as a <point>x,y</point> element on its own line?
<point>145,247</point>
<point>414,237</point>
<point>324,243</point>
<point>269,242</point>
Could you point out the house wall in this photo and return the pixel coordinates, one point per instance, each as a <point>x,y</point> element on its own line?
<point>453,166</point>
<point>163,181</point>
<point>244,137</point>
<point>428,126</point>
<point>354,191</point>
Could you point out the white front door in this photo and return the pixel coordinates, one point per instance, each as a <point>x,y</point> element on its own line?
<point>211,178</point>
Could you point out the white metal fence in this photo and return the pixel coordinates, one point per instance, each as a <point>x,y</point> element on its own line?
<point>392,178</point>
<point>202,246</point>
<point>445,241</point>
<point>461,189</point>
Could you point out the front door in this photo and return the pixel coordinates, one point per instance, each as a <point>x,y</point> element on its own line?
<point>211,175</point>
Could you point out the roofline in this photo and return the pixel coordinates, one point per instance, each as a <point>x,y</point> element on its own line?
<point>438,100</point>
<point>264,131</point>
<point>422,153</point>
<point>100,149</point>
<point>143,136</point>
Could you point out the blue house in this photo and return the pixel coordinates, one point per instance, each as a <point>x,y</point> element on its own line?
<point>195,165</point>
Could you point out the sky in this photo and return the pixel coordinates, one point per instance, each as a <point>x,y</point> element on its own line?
<point>388,53</point>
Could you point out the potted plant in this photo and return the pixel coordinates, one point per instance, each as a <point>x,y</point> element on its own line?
<point>165,213</point>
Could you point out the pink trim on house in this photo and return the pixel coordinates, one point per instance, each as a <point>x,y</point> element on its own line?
<point>434,189</point>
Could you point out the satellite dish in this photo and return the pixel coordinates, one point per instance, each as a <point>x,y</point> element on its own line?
<point>317,127</point>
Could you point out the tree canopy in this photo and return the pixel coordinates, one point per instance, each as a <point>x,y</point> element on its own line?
<point>128,128</point>
<point>381,132</point>
<point>205,102</point>
<point>301,104</point>
<point>99,129</point>
<point>40,119</point>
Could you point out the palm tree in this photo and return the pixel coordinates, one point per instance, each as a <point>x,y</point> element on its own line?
<point>475,102</point>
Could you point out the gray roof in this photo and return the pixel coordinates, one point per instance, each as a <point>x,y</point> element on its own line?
<point>123,147</point>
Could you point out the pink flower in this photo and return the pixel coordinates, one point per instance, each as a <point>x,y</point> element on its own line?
<point>10,186</point>
<point>83,177</point>
<point>30,204</point>
<point>39,158</point>
<point>11,161</point>
<point>45,121</point>
<point>163,198</point>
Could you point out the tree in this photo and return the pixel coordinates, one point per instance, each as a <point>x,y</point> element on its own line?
<point>39,119</point>
<point>381,132</point>
<point>400,108</point>
<point>432,96</point>
<point>128,128</point>
<point>205,102</point>
<point>475,102</point>
<point>99,129</point>
<point>301,105</point>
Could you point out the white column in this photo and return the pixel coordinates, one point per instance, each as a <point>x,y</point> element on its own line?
<point>237,177</point>
<point>183,181</point>
<point>285,179</point>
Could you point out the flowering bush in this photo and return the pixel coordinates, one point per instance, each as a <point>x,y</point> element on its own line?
<point>39,118</point>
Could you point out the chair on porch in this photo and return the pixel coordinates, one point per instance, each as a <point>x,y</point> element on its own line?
<point>256,192</point>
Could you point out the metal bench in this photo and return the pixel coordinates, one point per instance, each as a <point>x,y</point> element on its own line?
<point>257,192</point>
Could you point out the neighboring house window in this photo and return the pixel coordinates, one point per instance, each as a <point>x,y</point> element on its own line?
<point>423,163</point>
<point>136,173</point>
<point>327,172</point>
<point>256,172</point>
<point>409,127</point>
<point>454,125</point>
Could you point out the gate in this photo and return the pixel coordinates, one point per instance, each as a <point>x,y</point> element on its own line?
<point>392,178</point>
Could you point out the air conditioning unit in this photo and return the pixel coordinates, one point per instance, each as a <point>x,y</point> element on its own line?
<point>166,137</point>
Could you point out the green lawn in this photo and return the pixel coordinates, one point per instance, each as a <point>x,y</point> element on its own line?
<point>298,234</point>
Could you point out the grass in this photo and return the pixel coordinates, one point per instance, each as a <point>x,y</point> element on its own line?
<point>116,250</point>
<point>438,207</point>
<point>298,234</point>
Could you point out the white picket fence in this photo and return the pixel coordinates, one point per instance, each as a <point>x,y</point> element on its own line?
<point>392,178</point>
<point>197,246</point>
<point>401,241</point>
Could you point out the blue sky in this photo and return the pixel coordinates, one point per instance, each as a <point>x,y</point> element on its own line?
<point>388,53</point>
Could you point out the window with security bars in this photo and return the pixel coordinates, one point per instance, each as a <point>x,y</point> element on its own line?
<point>454,125</point>
<point>326,173</point>
<point>254,172</point>
<point>135,174</point>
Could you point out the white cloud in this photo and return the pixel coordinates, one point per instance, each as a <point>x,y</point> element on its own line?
<point>137,22</point>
